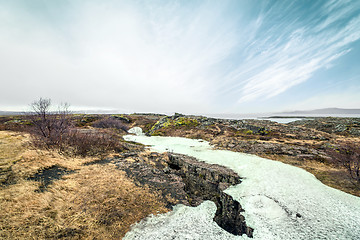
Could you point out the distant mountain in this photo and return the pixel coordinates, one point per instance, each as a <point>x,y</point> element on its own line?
<point>326,111</point>
<point>7,113</point>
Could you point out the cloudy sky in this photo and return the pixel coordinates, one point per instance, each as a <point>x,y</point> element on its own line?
<point>236,56</point>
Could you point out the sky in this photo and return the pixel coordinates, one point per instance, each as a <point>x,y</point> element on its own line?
<point>240,56</point>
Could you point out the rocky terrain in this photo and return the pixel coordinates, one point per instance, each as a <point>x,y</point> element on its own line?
<point>185,180</point>
<point>322,146</point>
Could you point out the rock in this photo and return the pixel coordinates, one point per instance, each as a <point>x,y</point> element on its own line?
<point>207,182</point>
<point>177,115</point>
<point>189,181</point>
<point>231,145</point>
<point>340,126</point>
<point>137,131</point>
<point>122,118</point>
<point>167,170</point>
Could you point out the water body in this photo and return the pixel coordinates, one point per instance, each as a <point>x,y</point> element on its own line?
<point>280,201</point>
<point>282,120</point>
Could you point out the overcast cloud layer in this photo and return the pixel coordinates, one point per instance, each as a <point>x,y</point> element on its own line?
<point>185,56</point>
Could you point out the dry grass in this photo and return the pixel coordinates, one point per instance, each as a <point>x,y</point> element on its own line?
<point>94,202</point>
<point>11,145</point>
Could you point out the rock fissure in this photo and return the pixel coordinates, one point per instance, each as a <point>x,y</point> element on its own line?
<point>208,182</point>
<point>185,180</point>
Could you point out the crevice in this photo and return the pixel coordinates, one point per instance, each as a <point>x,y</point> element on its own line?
<point>207,182</point>
<point>174,166</point>
<point>181,179</point>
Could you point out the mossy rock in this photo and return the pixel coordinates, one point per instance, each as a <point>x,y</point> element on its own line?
<point>171,122</point>
<point>248,132</point>
<point>158,133</point>
<point>147,127</point>
<point>243,132</point>
<point>182,121</point>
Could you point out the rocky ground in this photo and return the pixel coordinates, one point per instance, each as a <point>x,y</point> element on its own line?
<point>316,145</point>
<point>184,180</point>
<point>321,146</point>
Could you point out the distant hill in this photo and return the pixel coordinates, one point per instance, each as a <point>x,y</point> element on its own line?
<point>324,111</point>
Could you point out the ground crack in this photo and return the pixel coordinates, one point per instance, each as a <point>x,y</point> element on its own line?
<point>207,182</point>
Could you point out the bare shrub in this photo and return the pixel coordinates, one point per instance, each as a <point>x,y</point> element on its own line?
<point>347,154</point>
<point>110,123</point>
<point>90,143</point>
<point>49,126</point>
<point>55,130</point>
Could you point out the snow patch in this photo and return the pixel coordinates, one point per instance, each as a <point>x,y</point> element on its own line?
<point>181,223</point>
<point>280,201</point>
<point>137,131</point>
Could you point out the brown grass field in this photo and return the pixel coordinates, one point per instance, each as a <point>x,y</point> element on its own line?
<point>93,202</point>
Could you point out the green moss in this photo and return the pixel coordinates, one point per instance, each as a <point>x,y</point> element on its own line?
<point>147,127</point>
<point>264,132</point>
<point>243,132</point>
<point>168,123</point>
<point>171,123</point>
<point>158,133</point>
<point>182,121</point>
<point>154,126</point>
<point>248,131</point>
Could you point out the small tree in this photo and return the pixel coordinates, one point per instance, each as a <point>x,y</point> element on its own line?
<point>40,116</point>
<point>50,125</point>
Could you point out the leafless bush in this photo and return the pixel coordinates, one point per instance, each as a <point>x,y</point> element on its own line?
<point>54,129</point>
<point>110,123</point>
<point>49,126</point>
<point>347,154</point>
<point>94,143</point>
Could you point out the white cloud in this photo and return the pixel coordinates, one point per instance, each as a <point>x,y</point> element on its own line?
<point>279,63</point>
<point>119,54</point>
<point>168,56</point>
<point>109,55</point>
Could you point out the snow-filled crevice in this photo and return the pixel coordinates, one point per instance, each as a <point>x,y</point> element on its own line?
<point>208,184</point>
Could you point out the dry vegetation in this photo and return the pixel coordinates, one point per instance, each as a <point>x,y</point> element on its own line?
<point>93,202</point>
